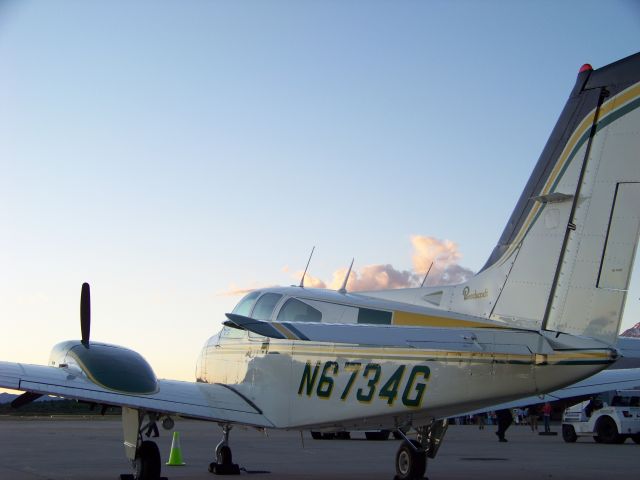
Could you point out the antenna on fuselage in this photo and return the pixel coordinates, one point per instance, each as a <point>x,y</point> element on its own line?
<point>343,288</point>
<point>305,268</point>
<point>426,275</point>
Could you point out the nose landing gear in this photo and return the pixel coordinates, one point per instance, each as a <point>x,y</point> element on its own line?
<point>224,460</point>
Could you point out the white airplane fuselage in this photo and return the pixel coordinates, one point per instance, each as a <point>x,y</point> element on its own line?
<point>301,384</point>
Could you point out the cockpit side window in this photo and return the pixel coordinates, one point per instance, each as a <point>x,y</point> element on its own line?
<point>244,306</point>
<point>296,311</point>
<point>265,305</point>
<point>232,333</point>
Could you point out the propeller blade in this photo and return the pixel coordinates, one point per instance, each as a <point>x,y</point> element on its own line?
<point>85,314</point>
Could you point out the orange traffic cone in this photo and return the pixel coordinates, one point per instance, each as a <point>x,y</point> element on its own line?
<point>175,456</point>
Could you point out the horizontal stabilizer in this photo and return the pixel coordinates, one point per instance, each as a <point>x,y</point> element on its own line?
<point>605,381</point>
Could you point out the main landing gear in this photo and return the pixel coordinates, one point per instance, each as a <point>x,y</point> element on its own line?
<point>411,458</point>
<point>224,461</point>
<point>143,454</point>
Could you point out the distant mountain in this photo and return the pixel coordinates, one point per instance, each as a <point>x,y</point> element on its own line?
<point>632,332</point>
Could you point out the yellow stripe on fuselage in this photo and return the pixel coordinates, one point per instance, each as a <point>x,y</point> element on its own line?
<point>284,331</point>
<point>418,320</point>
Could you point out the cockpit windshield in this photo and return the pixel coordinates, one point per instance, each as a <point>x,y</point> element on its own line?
<point>246,304</point>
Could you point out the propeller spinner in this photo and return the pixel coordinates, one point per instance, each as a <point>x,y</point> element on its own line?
<point>85,314</point>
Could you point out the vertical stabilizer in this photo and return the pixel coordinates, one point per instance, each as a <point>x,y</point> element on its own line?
<point>564,259</point>
<point>573,235</point>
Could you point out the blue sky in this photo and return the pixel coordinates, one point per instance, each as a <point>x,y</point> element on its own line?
<point>168,152</point>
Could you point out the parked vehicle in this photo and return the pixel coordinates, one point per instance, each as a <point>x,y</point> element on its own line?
<point>611,417</point>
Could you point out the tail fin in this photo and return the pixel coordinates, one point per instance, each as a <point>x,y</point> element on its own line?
<point>564,260</point>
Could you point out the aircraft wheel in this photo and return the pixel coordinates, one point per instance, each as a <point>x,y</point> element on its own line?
<point>597,439</point>
<point>147,461</point>
<point>636,438</point>
<point>607,431</point>
<point>410,463</point>
<point>569,433</point>
<point>223,456</point>
<point>224,462</point>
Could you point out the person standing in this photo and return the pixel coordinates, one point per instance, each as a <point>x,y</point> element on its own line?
<point>546,411</point>
<point>480,420</point>
<point>533,418</point>
<point>505,419</point>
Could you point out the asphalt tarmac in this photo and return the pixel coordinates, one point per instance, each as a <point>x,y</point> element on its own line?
<point>63,449</point>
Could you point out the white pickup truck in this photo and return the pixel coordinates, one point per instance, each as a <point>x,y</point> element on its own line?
<point>608,418</point>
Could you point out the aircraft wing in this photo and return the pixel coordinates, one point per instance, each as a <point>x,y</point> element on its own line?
<point>365,334</point>
<point>215,402</point>
<point>605,381</point>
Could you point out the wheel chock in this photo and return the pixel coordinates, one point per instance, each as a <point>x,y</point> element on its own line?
<point>224,469</point>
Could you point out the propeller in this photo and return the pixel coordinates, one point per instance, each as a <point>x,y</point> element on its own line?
<point>85,314</point>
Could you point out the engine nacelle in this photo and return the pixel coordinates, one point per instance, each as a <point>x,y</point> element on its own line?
<point>110,366</point>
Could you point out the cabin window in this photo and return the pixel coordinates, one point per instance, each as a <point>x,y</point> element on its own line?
<point>296,311</point>
<point>244,307</point>
<point>375,317</point>
<point>265,305</point>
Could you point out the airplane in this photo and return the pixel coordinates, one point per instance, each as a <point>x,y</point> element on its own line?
<point>544,312</point>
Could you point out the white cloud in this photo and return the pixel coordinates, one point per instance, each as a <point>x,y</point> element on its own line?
<point>444,255</point>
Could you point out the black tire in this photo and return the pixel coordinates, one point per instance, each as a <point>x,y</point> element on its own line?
<point>636,438</point>
<point>147,461</point>
<point>316,435</point>
<point>328,436</point>
<point>343,435</point>
<point>224,456</point>
<point>597,439</point>
<point>607,431</point>
<point>379,435</point>
<point>569,434</point>
<point>410,463</point>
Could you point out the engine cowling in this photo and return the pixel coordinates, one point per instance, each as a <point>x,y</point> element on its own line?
<point>110,366</point>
